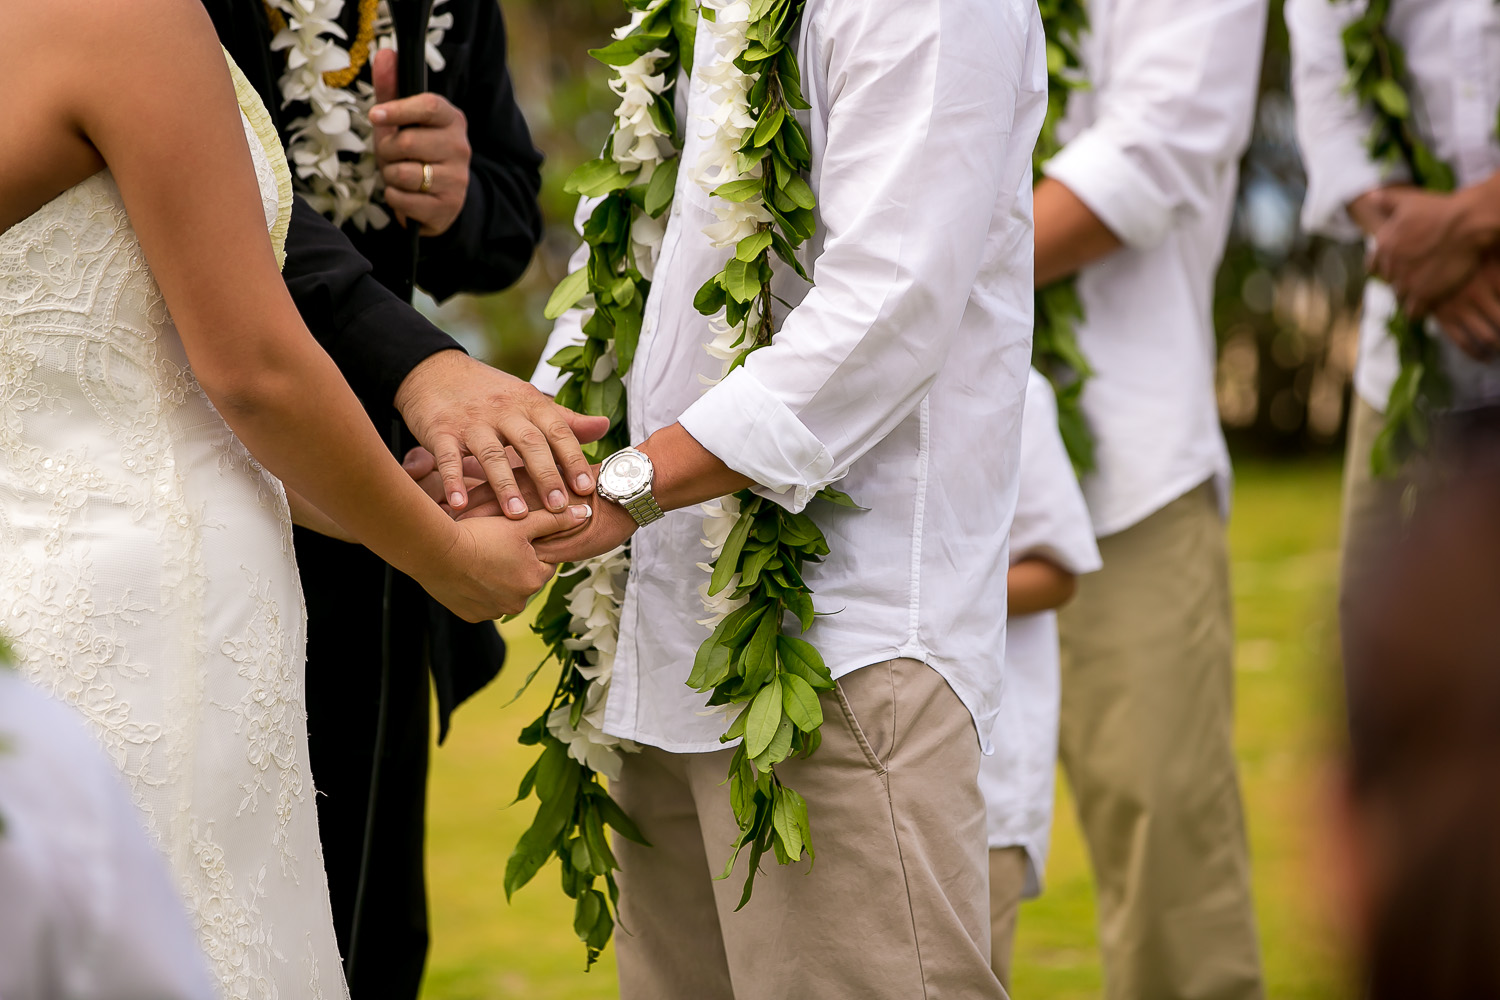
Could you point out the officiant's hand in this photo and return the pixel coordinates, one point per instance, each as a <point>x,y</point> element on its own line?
<point>423,137</point>
<point>457,406</point>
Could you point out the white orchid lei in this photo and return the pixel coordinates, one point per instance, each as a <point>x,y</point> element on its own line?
<point>752,166</point>
<point>331,148</point>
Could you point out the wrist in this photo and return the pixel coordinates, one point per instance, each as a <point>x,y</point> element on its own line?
<point>1476,215</point>
<point>411,385</point>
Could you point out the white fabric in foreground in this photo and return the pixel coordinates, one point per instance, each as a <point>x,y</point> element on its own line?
<point>87,907</point>
<point>900,375</point>
<point>1051,523</point>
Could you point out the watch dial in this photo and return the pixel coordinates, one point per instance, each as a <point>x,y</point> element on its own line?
<point>624,475</point>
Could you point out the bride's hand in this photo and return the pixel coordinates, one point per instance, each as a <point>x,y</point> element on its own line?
<point>492,569</point>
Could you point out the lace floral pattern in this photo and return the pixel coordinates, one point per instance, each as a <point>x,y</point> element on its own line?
<point>147,576</point>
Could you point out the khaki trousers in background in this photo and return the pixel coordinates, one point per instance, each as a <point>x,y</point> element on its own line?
<point>1007,885</point>
<point>1147,744</point>
<point>1373,519</point>
<point>894,906</point>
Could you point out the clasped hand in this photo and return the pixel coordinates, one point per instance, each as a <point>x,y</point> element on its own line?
<point>608,527</point>
<point>1438,264</point>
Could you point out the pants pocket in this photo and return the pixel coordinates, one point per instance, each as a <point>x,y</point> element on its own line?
<point>867,701</point>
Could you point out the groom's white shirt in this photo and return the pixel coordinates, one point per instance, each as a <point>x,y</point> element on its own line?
<point>1453,62</point>
<point>900,375</point>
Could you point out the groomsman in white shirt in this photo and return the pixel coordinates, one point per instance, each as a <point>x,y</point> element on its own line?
<point>1138,205</point>
<point>1439,249</point>
<point>900,375</point>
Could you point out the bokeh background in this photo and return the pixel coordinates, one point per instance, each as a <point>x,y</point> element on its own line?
<point>1286,316</point>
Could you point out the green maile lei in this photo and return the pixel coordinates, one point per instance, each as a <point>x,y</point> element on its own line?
<point>1059,309</point>
<point>1378,79</point>
<point>752,666</point>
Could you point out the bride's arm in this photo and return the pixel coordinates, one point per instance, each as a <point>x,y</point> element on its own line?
<point>147,84</point>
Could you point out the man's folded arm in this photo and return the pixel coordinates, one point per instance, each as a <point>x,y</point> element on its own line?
<point>1175,115</point>
<point>375,338</point>
<point>915,164</point>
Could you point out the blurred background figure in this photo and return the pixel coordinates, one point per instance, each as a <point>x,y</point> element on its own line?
<point>1051,544</point>
<point>1419,829</point>
<point>87,906</point>
<point>1137,205</point>
<point>1396,106</point>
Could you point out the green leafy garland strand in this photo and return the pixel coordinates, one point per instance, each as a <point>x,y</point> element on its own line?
<point>575,806</point>
<point>1059,309</point>
<point>1378,78</point>
<point>750,661</point>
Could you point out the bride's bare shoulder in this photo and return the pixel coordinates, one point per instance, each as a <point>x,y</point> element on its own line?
<point>72,35</point>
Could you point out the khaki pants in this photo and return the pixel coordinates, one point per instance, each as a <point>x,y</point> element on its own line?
<point>894,906</point>
<point>1372,507</point>
<point>1147,743</point>
<point>1007,885</point>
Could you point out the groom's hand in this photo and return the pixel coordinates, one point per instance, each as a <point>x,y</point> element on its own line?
<point>608,529</point>
<point>457,406</point>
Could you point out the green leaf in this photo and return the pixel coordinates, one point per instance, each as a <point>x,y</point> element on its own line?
<point>625,51</point>
<point>662,187</point>
<point>802,658</point>
<point>611,813</point>
<point>522,866</point>
<point>838,498</point>
<point>598,177</point>
<point>742,279</point>
<point>765,716</point>
<point>758,664</point>
<point>753,246</point>
<point>587,913</point>
<point>711,666</point>
<point>784,820</point>
<point>572,288</point>
<point>628,334</point>
<point>711,297</point>
<point>801,702</point>
<point>728,561</point>
<point>800,192</point>
<point>1389,95</point>
<point>780,747</point>
<point>528,781</point>
<point>740,190</point>
<point>769,125</point>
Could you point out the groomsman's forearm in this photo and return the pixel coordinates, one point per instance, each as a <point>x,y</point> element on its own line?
<point>1069,236</point>
<point>686,472</point>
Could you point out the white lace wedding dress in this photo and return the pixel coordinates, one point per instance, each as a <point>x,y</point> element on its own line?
<point>147,579</point>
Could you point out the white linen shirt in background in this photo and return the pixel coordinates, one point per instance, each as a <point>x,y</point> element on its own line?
<point>1453,63</point>
<point>1153,149</point>
<point>87,906</point>
<point>901,375</point>
<point>1051,523</point>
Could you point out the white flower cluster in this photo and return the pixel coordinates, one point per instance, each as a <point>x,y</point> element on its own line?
<point>594,603</point>
<point>344,188</point>
<point>728,89</point>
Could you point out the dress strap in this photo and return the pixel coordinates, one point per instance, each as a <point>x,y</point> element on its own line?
<point>264,129</point>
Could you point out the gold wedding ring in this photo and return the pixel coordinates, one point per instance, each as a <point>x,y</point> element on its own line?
<point>426,179</point>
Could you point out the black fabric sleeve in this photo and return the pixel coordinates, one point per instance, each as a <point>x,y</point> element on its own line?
<point>375,338</point>
<point>491,243</point>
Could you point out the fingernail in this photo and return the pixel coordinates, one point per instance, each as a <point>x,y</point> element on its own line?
<point>583,511</point>
<point>585,483</point>
<point>377,115</point>
<point>456,499</point>
<point>515,505</point>
<point>556,500</point>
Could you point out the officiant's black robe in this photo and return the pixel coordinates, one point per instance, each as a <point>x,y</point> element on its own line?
<point>340,280</point>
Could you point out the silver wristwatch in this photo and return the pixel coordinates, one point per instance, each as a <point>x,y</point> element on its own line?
<point>626,477</point>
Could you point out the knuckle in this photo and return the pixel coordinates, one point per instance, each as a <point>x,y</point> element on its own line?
<point>530,438</point>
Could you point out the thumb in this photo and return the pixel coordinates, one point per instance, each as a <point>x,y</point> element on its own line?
<point>541,523</point>
<point>383,70</point>
<point>585,428</point>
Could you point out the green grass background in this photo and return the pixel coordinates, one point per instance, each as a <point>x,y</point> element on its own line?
<point>1283,535</point>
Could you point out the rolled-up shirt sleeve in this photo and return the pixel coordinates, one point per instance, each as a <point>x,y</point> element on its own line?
<point>1332,128</point>
<point>920,101</point>
<point>1174,113</point>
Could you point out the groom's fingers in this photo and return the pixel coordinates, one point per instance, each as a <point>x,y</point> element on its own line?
<point>533,436</point>
<point>447,452</point>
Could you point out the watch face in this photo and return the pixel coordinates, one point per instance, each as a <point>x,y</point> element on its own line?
<point>625,474</point>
